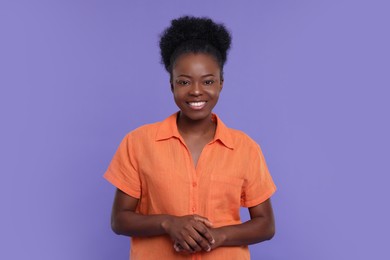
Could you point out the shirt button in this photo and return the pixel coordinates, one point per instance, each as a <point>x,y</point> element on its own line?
<point>193,209</point>
<point>194,184</point>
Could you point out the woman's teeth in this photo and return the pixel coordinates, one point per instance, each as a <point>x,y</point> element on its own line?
<point>197,104</point>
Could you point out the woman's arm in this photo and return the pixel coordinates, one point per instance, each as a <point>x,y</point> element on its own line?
<point>191,231</point>
<point>259,228</point>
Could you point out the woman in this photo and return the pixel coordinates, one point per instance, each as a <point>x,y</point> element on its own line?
<point>180,182</point>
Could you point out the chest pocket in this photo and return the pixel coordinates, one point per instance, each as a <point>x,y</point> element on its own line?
<point>225,198</point>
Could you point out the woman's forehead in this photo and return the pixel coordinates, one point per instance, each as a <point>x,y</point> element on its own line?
<point>196,63</point>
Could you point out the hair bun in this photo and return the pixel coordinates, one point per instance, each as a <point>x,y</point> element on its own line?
<point>187,29</point>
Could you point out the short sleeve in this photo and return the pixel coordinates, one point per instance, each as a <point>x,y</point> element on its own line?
<point>122,171</point>
<point>258,184</point>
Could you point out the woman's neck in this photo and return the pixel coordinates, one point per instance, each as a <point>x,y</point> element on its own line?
<point>186,126</point>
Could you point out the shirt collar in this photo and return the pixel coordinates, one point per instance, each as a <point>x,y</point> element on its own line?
<point>168,129</point>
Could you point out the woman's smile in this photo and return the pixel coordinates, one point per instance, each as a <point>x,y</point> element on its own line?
<point>198,105</point>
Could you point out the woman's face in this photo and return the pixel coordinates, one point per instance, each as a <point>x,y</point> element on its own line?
<point>196,84</point>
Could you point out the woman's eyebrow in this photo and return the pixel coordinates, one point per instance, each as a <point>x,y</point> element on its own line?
<point>203,76</point>
<point>184,75</point>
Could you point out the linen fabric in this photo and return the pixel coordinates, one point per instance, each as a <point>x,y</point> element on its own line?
<point>154,165</point>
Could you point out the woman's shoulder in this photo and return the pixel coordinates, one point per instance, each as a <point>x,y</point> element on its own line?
<point>146,130</point>
<point>242,139</point>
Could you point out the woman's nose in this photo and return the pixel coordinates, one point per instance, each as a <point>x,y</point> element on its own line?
<point>196,89</point>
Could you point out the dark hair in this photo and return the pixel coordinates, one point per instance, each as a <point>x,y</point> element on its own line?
<point>189,34</point>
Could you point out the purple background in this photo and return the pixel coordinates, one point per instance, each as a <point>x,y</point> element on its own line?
<point>308,80</point>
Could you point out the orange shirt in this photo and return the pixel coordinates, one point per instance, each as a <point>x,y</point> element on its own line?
<point>154,165</point>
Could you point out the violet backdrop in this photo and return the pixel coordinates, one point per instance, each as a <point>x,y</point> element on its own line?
<point>308,80</point>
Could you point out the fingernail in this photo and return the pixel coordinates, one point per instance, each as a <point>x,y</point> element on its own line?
<point>208,249</point>
<point>212,241</point>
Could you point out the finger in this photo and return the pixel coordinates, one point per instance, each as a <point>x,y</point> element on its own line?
<point>202,241</point>
<point>183,246</point>
<point>193,244</point>
<point>202,230</point>
<point>203,220</point>
<point>176,247</point>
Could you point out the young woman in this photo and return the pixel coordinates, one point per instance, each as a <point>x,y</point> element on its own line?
<point>181,182</point>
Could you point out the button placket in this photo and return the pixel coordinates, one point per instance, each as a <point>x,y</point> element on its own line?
<point>197,174</point>
<point>195,194</point>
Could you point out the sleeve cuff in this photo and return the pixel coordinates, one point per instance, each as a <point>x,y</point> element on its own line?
<point>258,200</point>
<point>123,187</point>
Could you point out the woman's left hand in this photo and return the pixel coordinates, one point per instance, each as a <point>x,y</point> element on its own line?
<point>260,227</point>
<point>216,233</point>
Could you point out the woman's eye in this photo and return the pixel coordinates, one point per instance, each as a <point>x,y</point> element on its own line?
<point>183,82</point>
<point>209,82</point>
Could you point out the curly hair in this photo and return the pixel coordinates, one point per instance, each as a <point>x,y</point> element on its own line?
<point>189,34</point>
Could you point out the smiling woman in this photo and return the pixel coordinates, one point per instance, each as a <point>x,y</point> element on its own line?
<point>181,182</point>
<point>196,87</point>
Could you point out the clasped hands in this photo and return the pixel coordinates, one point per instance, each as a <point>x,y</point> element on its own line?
<point>192,233</point>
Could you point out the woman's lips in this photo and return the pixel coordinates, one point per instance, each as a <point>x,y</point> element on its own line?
<point>197,105</point>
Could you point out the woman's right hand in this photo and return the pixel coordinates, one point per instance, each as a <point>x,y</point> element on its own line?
<point>190,232</point>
